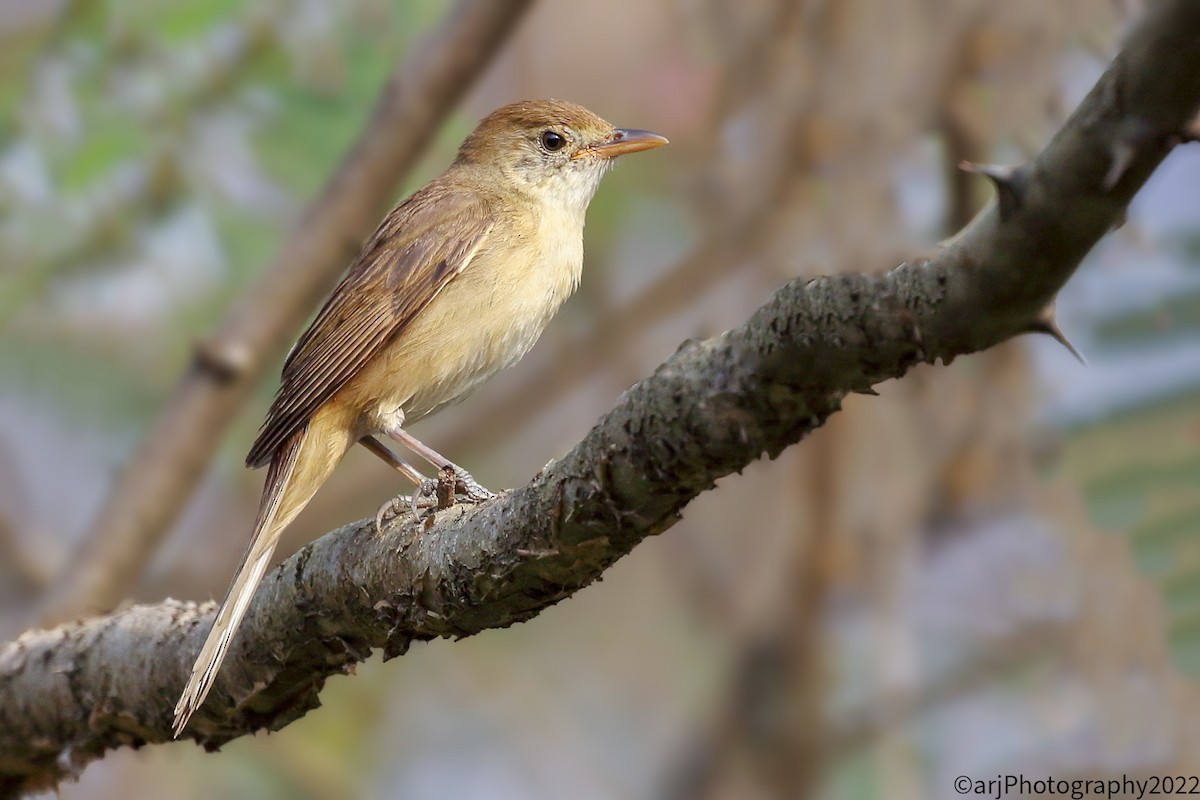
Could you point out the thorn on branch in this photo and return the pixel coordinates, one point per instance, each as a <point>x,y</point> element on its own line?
<point>1120,220</point>
<point>1046,323</point>
<point>1122,158</point>
<point>1133,136</point>
<point>1008,181</point>
<point>1191,132</point>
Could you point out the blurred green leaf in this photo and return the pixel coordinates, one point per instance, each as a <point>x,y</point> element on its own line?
<point>1175,315</point>
<point>1139,471</point>
<point>173,22</point>
<point>312,129</point>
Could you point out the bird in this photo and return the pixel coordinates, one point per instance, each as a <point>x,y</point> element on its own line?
<point>456,283</point>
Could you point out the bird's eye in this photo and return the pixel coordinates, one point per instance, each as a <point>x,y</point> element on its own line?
<point>553,141</point>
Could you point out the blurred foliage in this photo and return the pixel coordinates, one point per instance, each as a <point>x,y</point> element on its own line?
<point>1175,315</point>
<point>135,134</point>
<point>1139,471</point>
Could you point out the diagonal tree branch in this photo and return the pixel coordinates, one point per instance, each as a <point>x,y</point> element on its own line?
<point>180,443</point>
<point>69,694</point>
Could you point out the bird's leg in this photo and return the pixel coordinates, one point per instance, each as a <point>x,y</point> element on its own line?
<point>470,487</point>
<point>424,496</point>
<point>392,460</point>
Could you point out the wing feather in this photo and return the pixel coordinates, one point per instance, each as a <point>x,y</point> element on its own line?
<point>418,248</point>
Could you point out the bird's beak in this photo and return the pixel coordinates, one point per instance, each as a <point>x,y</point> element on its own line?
<point>622,141</point>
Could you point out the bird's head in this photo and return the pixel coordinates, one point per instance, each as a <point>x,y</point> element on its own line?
<point>554,150</point>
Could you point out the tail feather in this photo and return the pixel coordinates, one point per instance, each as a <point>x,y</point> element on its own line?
<point>292,479</point>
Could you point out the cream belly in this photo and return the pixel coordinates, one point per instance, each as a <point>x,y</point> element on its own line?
<point>484,320</point>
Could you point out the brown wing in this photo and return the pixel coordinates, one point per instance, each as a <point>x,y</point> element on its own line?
<point>419,248</point>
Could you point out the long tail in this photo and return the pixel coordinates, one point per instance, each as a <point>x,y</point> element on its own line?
<point>296,471</point>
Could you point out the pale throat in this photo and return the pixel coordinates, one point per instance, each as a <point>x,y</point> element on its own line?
<point>562,199</point>
<point>569,186</point>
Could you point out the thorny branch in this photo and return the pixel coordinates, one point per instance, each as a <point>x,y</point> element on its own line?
<point>69,694</point>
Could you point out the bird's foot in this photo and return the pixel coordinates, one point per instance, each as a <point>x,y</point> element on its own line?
<point>470,488</point>
<point>424,497</point>
<point>453,484</point>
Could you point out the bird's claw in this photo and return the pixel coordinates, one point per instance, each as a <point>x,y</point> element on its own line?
<point>470,488</point>
<point>424,496</point>
<point>427,496</point>
<point>391,508</point>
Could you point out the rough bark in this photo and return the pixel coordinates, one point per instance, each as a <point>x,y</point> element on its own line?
<point>69,694</point>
